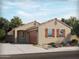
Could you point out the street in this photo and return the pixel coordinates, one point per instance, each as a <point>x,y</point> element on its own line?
<point>51,55</point>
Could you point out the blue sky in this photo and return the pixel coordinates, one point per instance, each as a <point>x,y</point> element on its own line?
<point>39,10</point>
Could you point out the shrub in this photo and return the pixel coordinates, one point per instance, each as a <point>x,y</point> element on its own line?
<point>74,42</point>
<point>2,34</point>
<point>52,44</point>
<point>63,44</point>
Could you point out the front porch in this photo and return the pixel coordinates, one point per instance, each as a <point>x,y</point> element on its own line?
<point>28,36</point>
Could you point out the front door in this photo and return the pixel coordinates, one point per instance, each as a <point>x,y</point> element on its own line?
<point>21,37</point>
<point>33,37</point>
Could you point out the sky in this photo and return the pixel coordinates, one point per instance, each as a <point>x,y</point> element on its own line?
<point>39,10</point>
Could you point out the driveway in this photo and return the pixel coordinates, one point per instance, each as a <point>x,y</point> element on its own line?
<point>8,49</point>
<point>12,49</point>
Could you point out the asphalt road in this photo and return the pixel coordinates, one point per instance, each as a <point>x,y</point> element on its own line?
<point>52,55</point>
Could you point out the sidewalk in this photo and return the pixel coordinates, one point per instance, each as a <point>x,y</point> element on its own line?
<point>8,49</point>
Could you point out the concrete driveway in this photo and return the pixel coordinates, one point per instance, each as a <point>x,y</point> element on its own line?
<point>8,49</point>
<point>11,49</point>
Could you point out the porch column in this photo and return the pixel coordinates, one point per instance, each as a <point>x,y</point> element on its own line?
<point>15,36</point>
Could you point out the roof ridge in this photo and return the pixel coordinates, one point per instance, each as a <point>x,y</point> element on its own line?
<point>56,20</point>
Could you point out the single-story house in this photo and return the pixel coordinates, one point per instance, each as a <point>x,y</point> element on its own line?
<point>40,33</point>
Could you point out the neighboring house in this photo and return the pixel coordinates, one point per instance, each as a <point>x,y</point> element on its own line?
<point>41,33</point>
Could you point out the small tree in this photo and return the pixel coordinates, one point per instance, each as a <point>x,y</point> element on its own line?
<point>4,24</point>
<point>76,29</point>
<point>74,23</point>
<point>2,34</point>
<point>15,21</point>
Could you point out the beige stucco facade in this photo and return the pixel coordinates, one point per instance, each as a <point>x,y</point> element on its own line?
<point>40,28</point>
<point>51,24</point>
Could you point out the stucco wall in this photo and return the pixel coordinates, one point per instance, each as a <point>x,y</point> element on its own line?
<point>41,32</point>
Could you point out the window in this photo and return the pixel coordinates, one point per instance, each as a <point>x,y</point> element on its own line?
<point>49,33</point>
<point>62,33</point>
<point>21,34</point>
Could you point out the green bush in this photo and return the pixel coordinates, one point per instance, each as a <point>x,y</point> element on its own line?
<point>53,44</point>
<point>63,44</point>
<point>2,34</point>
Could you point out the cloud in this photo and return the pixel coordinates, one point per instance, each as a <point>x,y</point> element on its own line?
<point>24,14</point>
<point>7,5</point>
<point>73,0</point>
<point>39,9</point>
<point>27,5</point>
